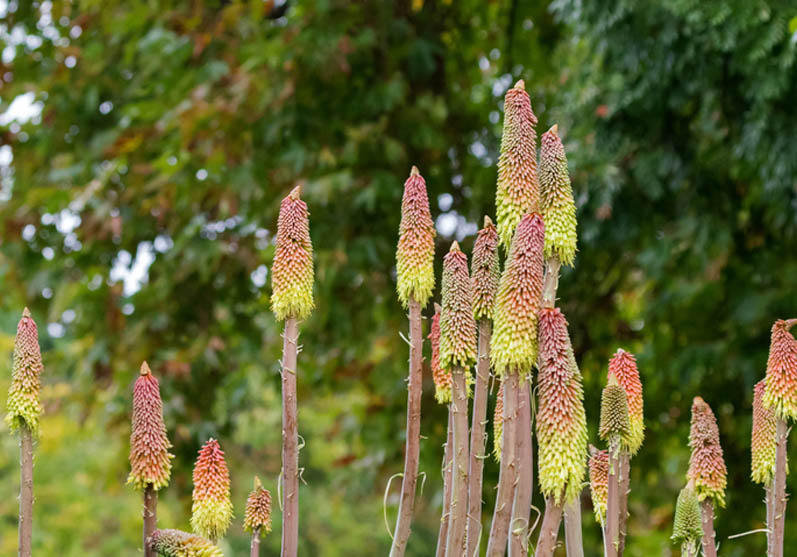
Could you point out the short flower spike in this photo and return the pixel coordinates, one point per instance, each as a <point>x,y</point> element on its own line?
<point>415,252</point>
<point>781,391</point>
<point>763,444</point>
<point>457,326</point>
<point>150,460</point>
<point>614,411</point>
<point>498,423</point>
<point>556,193</point>
<point>292,272</point>
<point>441,376</point>
<point>706,466</point>
<point>561,420</point>
<point>258,510</point>
<point>211,510</point>
<point>23,404</point>
<point>518,188</point>
<point>687,529</point>
<point>485,271</point>
<point>176,543</point>
<point>623,366</point>
<point>599,482</point>
<point>513,347</point>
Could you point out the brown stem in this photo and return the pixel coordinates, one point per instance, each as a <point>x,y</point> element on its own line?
<point>707,520</point>
<point>779,491</point>
<point>625,486</point>
<point>412,450</point>
<point>254,547</point>
<point>499,530</point>
<point>551,281</point>
<point>25,491</point>
<point>612,540</point>
<point>521,510</point>
<point>290,441</point>
<point>573,539</point>
<point>770,514</point>
<point>150,517</point>
<point>448,465</point>
<point>456,544</point>
<point>477,437</point>
<point>549,531</point>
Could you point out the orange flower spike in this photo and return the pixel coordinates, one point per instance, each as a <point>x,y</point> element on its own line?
<point>599,482</point>
<point>211,510</point>
<point>706,466</point>
<point>415,252</point>
<point>485,271</point>
<point>457,326</point>
<point>441,376</point>
<point>23,404</point>
<point>763,445</point>
<point>781,381</point>
<point>258,509</point>
<point>150,460</point>
<point>623,366</point>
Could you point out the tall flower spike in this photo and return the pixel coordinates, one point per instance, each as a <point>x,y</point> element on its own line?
<point>211,511</point>
<point>176,543</point>
<point>623,367</point>
<point>556,193</point>
<point>415,253</point>
<point>781,391</point>
<point>292,272</point>
<point>561,420</point>
<point>258,510</point>
<point>599,482</point>
<point>513,346</point>
<point>150,460</point>
<point>687,529</point>
<point>614,411</point>
<point>763,443</point>
<point>485,271</point>
<point>440,375</point>
<point>457,326</point>
<point>498,423</point>
<point>24,406</point>
<point>706,466</point>
<point>518,188</point>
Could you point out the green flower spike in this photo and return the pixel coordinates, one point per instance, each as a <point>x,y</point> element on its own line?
<point>24,406</point>
<point>556,193</point>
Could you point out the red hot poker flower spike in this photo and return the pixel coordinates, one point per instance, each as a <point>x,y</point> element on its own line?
<point>415,252</point>
<point>706,466</point>
<point>558,206</point>
<point>485,271</point>
<point>457,326</point>
<point>258,510</point>
<point>781,391</point>
<point>763,444</point>
<point>211,511</point>
<point>24,406</point>
<point>599,482</point>
<point>441,376</point>
<point>623,366</point>
<point>150,460</point>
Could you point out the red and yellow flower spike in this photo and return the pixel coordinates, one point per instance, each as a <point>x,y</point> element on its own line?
<point>440,375</point>
<point>614,411</point>
<point>518,188</point>
<point>258,510</point>
<point>176,543</point>
<point>706,466</point>
<point>561,420</point>
<point>150,460</point>
<point>513,347</point>
<point>415,252</point>
<point>556,194</point>
<point>292,272</point>
<point>623,367</point>
<point>781,381</point>
<point>23,404</point>
<point>498,423</point>
<point>762,466</point>
<point>485,271</point>
<point>599,482</point>
<point>457,326</point>
<point>211,509</point>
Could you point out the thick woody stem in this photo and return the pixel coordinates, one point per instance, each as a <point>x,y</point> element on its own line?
<point>25,491</point>
<point>707,520</point>
<point>779,496</point>
<point>412,450</point>
<point>573,539</point>
<point>625,487</point>
<point>456,544</point>
<point>612,539</point>
<point>477,437</point>
<point>150,517</point>
<point>521,510</point>
<point>290,441</point>
<point>254,547</point>
<point>549,531</point>
<point>499,530</point>
<point>448,466</point>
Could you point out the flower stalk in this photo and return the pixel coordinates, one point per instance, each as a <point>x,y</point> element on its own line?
<point>614,426</point>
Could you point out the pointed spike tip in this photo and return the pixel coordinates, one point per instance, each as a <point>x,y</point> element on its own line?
<point>554,129</point>
<point>145,368</point>
<point>454,247</point>
<point>437,308</point>
<point>258,483</point>
<point>520,84</point>
<point>414,171</point>
<point>296,192</point>
<point>26,313</point>
<point>487,221</point>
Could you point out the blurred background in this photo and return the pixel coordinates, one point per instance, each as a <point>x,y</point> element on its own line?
<point>145,146</point>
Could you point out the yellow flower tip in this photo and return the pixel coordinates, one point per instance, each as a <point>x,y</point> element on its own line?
<point>258,484</point>
<point>26,313</point>
<point>520,84</point>
<point>488,221</point>
<point>554,129</point>
<point>145,368</point>
<point>414,171</point>
<point>454,247</point>
<point>296,192</point>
